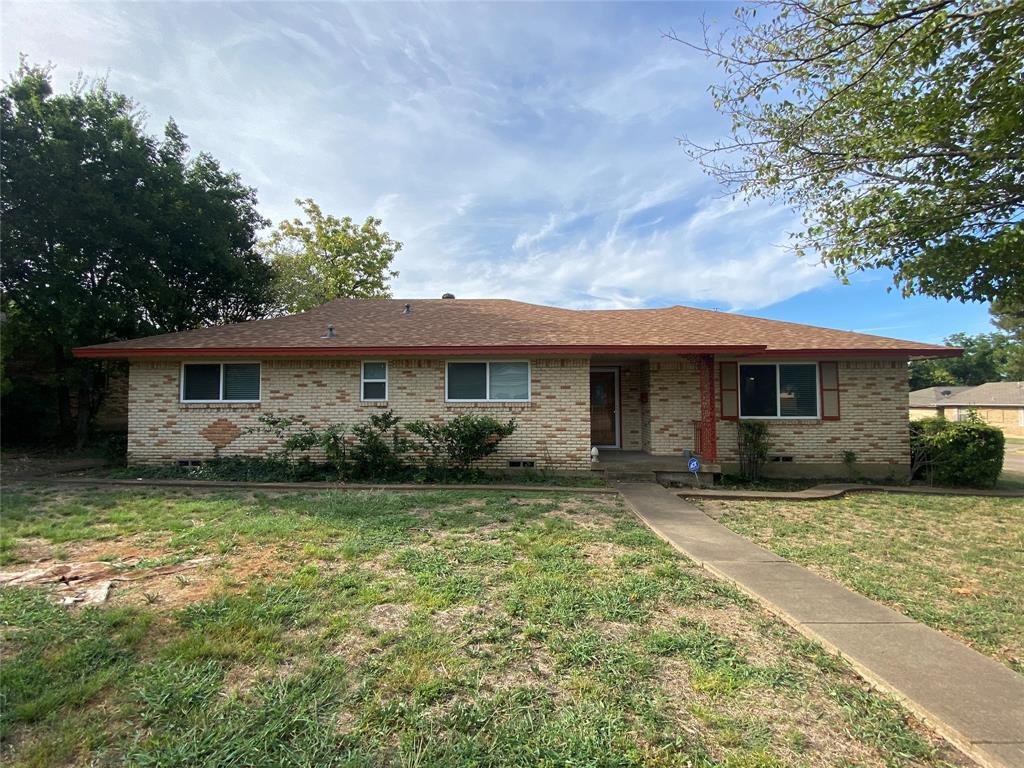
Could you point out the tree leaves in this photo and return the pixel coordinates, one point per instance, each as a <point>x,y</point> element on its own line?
<point>110,233</point>
<point>322,257</point>
<point>895,126</point>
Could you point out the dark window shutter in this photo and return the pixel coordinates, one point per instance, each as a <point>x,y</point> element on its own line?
<point>829,374</point>
<point>729,391</point>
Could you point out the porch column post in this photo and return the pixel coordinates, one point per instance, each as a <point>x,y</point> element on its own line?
<point>709,438</point>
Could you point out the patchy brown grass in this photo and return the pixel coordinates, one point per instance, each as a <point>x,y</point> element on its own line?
<point>431,629</point>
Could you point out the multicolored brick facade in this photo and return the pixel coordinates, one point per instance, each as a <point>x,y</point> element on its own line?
<point>659,402</point>
<point>874,424</point>
<point>553,427</point>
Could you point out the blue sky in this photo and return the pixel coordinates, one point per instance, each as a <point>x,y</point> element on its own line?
<point>518,150</point>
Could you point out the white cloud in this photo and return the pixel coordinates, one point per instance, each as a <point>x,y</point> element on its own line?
<point>734,258</point>
<point>518,151</point>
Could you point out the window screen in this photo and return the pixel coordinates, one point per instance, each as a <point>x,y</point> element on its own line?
<point>375,381</point>
<point>798,390</point>
<point>202,382</point>
<point>220,382</point>
<point>241,381</point>
<point>510,381</point>
<point>758,396</point>
<point>467,381</point>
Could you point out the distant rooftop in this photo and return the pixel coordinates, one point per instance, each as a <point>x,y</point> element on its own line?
<point>994,393</point>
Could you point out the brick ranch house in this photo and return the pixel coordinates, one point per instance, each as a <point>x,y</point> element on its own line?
<point>643,382</point>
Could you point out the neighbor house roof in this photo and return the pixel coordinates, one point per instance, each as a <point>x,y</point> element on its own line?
<point>932,397</point>
<point>994,393</point>
<point>499,326</point>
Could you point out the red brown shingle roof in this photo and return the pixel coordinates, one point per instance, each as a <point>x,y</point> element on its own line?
<point>478,326</point>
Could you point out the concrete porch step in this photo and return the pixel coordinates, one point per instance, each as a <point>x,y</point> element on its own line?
<point>629,475</point>
<point>643,474</point>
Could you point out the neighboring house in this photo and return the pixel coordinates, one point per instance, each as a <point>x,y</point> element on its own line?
<point>661,381</point>
<point>931,401</point>
<point>999,403</point>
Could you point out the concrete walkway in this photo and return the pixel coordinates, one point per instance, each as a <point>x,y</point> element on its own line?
<point>974,702</point>
<point>836,490</point>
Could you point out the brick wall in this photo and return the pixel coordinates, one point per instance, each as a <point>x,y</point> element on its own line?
<point>874,423</point>
<point>1010,420</point>
<point>674,393</point>
<point>553,428</point>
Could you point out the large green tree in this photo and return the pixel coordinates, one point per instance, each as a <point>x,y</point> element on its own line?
<point>1009,318</point>
<point>984,359</point>
<point>895,126</point>
<point>321,257</point>
<point>110,233</point>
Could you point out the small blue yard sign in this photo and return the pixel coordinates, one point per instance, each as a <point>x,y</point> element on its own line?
<point>693,464</point>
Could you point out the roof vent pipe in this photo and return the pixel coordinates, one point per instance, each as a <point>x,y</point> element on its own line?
<point>448,296</point>
<point>407,310</point>
<point>329,334</point>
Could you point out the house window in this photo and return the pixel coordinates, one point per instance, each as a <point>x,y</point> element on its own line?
<point>499,382</point>
<point>220,382</point>
<point>779,391</point>
<point>375,381</point>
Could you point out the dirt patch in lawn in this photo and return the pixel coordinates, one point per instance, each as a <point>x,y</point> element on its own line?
<point>389,617</point>
<point>84,580</point>
<point>126,550</point>
<point>584,513</point>
<point>602,555</point>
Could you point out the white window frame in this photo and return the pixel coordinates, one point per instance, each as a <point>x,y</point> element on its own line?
<point>363,380</point>
<point>220,380</point>
<point>778,391</point>
<point>487,399</point>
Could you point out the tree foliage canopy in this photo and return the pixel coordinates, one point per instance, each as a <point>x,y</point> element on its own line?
<point>997,356</point>
<point>110,233</point>
<point>322,257</point>
<point>895,126</point>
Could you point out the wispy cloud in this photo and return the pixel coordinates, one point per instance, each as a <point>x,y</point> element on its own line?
<point>525,151</point>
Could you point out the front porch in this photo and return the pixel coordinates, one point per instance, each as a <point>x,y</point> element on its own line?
<point>614,464</point>
<point>648,417</point>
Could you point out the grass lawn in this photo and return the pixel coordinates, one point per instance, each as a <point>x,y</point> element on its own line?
<point>954,563</point>
<point>443,628</point>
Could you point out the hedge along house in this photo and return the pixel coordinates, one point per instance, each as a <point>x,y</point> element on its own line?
<point>635,383</point>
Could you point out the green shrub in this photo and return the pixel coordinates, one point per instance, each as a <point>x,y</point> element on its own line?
<point>262,469</point>
<point>850,461</point>
<point>376,451</point>
<point>298,437</point>
<point>457,444</point>
<point>379,450</point>
<point>753,448</point>
<point>966,453</point>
